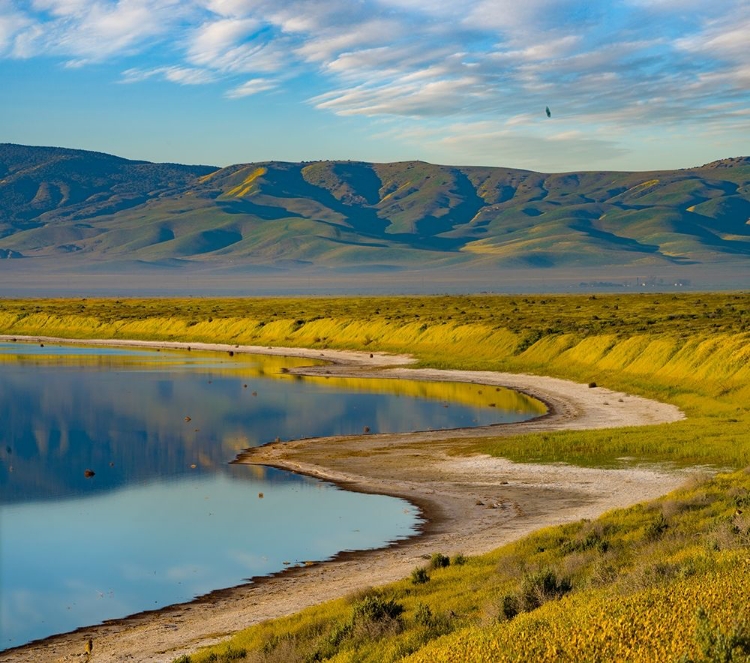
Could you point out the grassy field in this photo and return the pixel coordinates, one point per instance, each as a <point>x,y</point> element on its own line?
<point>666,581</point>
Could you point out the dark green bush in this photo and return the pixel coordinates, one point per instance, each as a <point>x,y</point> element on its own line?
<point>439,561</point>
<point>419,576</point>
<point>655,529</point>
<point>540,587</point>
<point>374,608</point>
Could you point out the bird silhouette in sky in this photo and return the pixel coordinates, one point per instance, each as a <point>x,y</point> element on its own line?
<point>548,111</point>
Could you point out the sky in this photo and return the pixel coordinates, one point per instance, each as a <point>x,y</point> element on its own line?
<point>631,84</point>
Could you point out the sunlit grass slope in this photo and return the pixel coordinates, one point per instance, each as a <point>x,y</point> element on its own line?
<point>656,582</point>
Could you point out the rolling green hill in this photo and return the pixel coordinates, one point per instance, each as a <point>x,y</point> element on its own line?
<point>56,202</point>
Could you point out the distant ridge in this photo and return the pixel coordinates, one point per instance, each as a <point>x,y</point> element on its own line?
<point>95,207</point>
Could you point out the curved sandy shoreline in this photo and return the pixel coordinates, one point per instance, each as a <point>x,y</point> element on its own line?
<point>473,504</point>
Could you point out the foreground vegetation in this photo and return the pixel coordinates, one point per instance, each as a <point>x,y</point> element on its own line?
<point>665,581</point>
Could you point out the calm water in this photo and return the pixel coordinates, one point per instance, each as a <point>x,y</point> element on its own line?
<point>165,518</point>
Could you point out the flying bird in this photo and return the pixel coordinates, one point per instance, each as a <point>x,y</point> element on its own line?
<point>548,111</point>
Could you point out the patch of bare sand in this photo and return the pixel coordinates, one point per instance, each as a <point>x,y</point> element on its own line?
<point>471,504</point>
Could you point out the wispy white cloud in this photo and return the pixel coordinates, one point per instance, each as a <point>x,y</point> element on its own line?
<point>12,23</point>
<point>181,75</point>
<point>333,43</point>
<point>626,63</point>
<point>93,31</point>
<point>251,87</point>
<point>415,98</point>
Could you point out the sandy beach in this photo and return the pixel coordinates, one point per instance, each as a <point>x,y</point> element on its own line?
<point>471,504</point>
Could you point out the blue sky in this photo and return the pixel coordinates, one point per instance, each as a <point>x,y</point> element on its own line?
<point>632,84</point>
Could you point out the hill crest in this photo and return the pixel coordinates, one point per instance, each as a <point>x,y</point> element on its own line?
<point>98,207</point>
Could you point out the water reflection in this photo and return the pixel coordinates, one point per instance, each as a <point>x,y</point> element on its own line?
<point>132,415</point>
<point>164,517</point>
<point>79,561</point>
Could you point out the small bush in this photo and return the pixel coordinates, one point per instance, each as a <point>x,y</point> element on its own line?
<point>534,591</point>
<point>228,656</point>
<point>439,561</point>
<point>374,608</point>
<point>655,529</point>
<point>419,576</point>
<point>540,587</point>
<point>423,616</point>
<point>339,633</point>
<point>374,616</point>
<point>459,560</point>
<point>508,607</point>
<point>593,540</point>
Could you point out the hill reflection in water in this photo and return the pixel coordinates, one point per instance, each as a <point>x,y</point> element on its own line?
<point>134,415</point>
<point>165,518</point>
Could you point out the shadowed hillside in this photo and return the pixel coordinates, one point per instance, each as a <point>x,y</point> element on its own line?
<point>55,201</point>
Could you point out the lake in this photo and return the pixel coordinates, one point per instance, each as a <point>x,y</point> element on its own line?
<point>164,517</point>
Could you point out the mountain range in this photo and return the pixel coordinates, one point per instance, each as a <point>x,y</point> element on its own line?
<point>90,206</point>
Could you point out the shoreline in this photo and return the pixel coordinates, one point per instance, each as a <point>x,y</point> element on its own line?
<point>470,504</point>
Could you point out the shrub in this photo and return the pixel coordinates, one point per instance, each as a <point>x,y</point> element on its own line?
<point>593,540</point>
<point>439,561</point>
<point>419,576</point>
<point>339,633</point>
<point>423,616</point>
<point>508,607</point>
<point>534,591</point>
<point>655,529</point>
<point>375,616</point>
<point>374,608</point>
<point>540,587</point>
